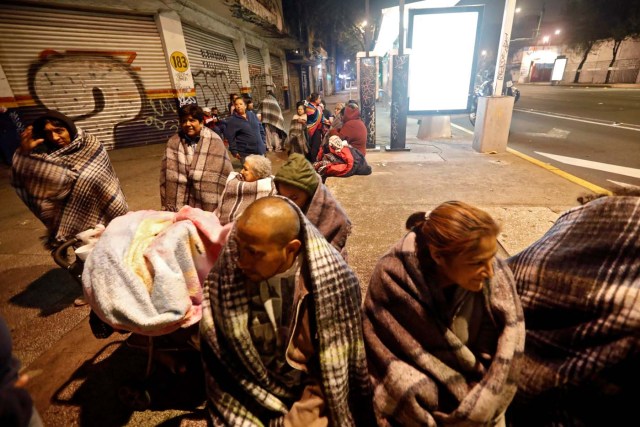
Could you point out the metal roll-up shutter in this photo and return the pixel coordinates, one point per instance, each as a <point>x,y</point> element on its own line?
<point>105,71</point>
<point>278,78</point>
<point>214,65</point>
<point>256,74</point>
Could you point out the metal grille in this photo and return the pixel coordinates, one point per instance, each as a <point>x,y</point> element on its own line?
<point>214,65</point>
<point>107,72</point>
<point>256,74</point>
<point>278,78</point>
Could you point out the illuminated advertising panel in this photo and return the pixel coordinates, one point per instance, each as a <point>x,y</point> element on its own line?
<point>558,68</point>
<point>442,65</point>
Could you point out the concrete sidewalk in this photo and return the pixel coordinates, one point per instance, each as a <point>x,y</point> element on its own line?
<point>78,377</point>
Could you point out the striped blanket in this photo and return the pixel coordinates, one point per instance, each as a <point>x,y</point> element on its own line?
<point>272,113</point>
<point>195,180</point>
<point>580,291</point>
<point>146,271</point>
<point>422,373</point>
<point>71,189</point>
<point>238,194</point>
<point>240,389</point>
<point>329,217</point>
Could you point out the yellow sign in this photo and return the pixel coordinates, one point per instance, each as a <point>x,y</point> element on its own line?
<point>179,61</point>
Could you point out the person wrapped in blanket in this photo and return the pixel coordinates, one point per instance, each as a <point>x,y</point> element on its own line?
<point>443,326</point>
<point>243,188</point>
<point>281,332</point>
<point>298,139</point>
<point>64,176</point>
<point>580,290</point>
<point>298,181</point>
<point>195,165</point>
<point>337,158</point>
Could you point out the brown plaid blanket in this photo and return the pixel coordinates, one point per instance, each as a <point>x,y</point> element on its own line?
<point>417,363</point>
<point>238,194</point>
<point>71,189</point>
<point>580,291</point>
<point>198,180</point>
<point>241,391</point>
<point>326,213</point>
<point>272,113</point>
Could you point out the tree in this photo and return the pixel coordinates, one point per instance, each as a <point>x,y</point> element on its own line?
<point>622,18</point>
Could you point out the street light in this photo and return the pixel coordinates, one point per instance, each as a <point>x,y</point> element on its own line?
<point>545,39</point>
<point>557,32</point>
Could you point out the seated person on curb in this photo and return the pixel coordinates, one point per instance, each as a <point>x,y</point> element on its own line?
<point>580,290</point>
<point>353,128</point>
<point>195,165</point>
<point>443,325</point>
<point>298,181</point>
<point>243,188</point>
<point>64,176</point>
<point>337,158</point>
<point>281,333</point>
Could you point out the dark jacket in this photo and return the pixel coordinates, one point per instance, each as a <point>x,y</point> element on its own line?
<point>245,136</point>
<point>354,130</point>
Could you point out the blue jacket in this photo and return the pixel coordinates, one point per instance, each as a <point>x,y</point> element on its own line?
<point>245,136</point>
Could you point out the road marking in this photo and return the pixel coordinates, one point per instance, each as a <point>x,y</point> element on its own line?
<point>623,184</point>
<point>606,167</point>
<point>553,133</point>
<point>617,125</point>
<point>579,181</point>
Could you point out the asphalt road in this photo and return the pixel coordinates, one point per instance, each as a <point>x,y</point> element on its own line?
<point>592,133</point>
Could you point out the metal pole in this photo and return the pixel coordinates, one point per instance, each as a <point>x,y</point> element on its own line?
<point>503,47</point>
<point>399,92</point>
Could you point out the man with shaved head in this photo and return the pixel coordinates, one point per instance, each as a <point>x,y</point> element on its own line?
<point>281,329</point>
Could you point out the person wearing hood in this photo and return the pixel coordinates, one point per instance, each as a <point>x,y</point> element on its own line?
<point>298,181</point>
<point>195,165</point>
<point>273,121</point>
<point>64,176</point>
<point>353,129</point>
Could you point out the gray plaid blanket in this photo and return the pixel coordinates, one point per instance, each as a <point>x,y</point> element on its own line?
<point>326,213</point>
<point>198,180</point>
<point>272,113</point>
<point>238,194</point>
<point>422,373</point>
<point>241,391</point>
<point>580,291</point>
<point>71,189</point>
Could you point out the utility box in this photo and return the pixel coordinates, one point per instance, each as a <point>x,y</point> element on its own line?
<point>493,120</point>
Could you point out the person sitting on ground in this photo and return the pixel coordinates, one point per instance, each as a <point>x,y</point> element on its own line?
<point>243,188</point>
<point>64,176</point>
<point>298,140</point>
<point>273,121</point>
<point>580,286</point>
<point>195,165</point>
<point>298,181</point>
<point>443,325</point>
<point>353,129</point>
<point>338,159</point>
<point>281,333</point>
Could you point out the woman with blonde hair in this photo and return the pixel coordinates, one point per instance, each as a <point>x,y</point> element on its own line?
<point>443,325</point>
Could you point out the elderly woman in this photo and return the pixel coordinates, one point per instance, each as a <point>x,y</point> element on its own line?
<point>443,325</point>
<point>253,182</point>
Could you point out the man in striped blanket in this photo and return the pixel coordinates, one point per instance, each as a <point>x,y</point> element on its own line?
<point>271,117</point>
<point>580,291</point>
<point>281,332</point>
<point>195,165</point>
<point>65,177</point>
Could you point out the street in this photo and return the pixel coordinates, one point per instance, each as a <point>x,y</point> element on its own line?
<point>592,133</point>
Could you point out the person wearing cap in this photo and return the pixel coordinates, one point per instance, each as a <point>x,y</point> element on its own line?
<point>64,176</point>
<point>281,331</point>
<point>298,181</point>
<point>195,165</point>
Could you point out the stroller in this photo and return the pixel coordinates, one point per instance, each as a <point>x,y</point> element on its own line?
<point>147,282</point>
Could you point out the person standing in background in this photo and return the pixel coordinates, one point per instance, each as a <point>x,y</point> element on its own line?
<point>271,117</point>
<point>244,132</point>
<point>314,125</point>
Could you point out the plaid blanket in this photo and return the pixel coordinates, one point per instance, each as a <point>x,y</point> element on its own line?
<point>328,216</point>
<point>272,114</point>
<point>240,389</point>
<point>71,189</point>
<point>238,194</point>
<point>422,373</point>
<point>580,290</point>
<point>299,131</point>
<point>196,180</point>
